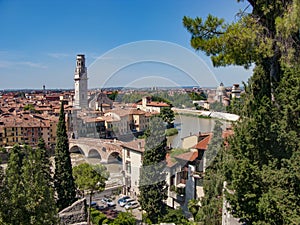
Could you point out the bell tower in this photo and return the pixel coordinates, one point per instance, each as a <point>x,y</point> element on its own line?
<point>81,88</point>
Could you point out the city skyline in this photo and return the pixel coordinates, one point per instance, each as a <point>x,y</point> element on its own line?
<point>40,41</point>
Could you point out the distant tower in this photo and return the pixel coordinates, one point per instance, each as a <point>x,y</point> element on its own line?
<point>235,91</point>
<point>220,93</point>
<point>81,88</point>
<point>44,89</point>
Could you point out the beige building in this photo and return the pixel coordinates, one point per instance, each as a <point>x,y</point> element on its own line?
<point>132,162</point>
<point>148,105</point>
<point>139,120</point>
<point>184,172</point>
<point>117,121</point>
<point>26,128</point>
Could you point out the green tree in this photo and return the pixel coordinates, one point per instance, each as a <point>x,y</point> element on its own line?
<point>210,212</point>
<point>90,178</point>
<point>27,195</point>
<point>196,96</point>
<point>266,141</point>
<point>168,116</point>
<point>153,187</point>
<point>124,218</point>
<point>39,195</point>
<point>175,216</point>
<point>45,162</point>
<point>194,206</point>
<point>113,95</point>
<point>63,179</point>
<point>97,217</point>
<point>14,200</point>
<point>215,144</point>
<point>2,194</point>
<point>29,107</point>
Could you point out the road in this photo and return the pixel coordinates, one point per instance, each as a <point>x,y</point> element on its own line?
<point>113,211</point>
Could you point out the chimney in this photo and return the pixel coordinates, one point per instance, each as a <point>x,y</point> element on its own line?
<point>139,145</point>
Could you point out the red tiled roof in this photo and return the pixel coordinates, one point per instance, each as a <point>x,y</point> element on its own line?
<point>158,104</point>
<point>152,103</point>
<point>204,142</point>
<point>134,145</point>
<point>188,156</point>
<point>169,161</point>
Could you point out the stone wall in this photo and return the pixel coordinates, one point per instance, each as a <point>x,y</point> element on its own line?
<point>75,214</point>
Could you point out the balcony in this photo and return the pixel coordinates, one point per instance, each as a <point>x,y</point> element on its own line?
<point>197,174</point>
<point>177,193</point>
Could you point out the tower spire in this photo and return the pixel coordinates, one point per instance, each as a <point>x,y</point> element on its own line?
<point>81,87</point>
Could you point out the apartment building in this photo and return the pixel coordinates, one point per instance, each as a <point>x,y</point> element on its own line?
<point>184,172</point>
<point>132,155</point>
<point>25,128</point>
<point>148,105</point>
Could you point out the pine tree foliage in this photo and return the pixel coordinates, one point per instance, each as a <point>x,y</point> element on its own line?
<point>124,218</point>
<point>263,156</point>
<point>42,151</point>
<point>13,202</point>
<point>265,36</point>
<point>168,116</point>
<point>27,195</point>
<point>63,179</point>
<point>210,211</point>
<point>90,178</point>
<point>40,203</point>
<point>1,192</point>
<point>215,144</point>
<point>153,187</point>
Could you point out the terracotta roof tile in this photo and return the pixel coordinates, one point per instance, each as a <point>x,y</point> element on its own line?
<point>203,144</point>
<point>134,145</point>
<point>188,156</point>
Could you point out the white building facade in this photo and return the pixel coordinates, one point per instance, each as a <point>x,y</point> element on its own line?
<point>81,85</point>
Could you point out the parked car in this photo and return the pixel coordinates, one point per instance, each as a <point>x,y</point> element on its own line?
<point>108,201</point>
<point>93,204</point>
<point>101,207</point>
<point>124,202</point>
<point>132,205</point>
<point>123,199</point>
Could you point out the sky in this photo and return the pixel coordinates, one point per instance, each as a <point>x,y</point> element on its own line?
<point>126,43</point>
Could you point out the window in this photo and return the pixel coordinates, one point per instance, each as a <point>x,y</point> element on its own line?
<point>128,167</point>
<point>128,153</point>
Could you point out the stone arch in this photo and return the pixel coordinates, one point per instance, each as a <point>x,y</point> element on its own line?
<point>76,149</point>
<point>94,153</point>
<point>114,157</point>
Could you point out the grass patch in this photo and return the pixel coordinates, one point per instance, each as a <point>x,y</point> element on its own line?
<point>171,132</point>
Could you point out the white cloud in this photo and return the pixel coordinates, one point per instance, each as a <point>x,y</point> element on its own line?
<point>58,55</point>
<point>32,64</point>
<point>10,64</point>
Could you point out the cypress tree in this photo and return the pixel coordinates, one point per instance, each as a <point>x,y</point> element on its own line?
<point>41,149</point>
<point>63,179</point>
<point>40,203</point>
<point>153,187</point>
<point>14,200</point>
<point>27,196</point>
